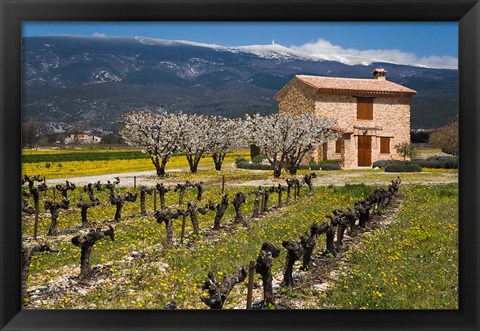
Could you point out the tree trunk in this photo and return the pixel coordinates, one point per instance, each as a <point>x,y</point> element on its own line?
<point>162,190</point>
<point>218,160</point>
<point>263,267</point>
<point>277,172</point>
<point>53,224</point>
<point>238,201</point>
<point>143,209</point>
<point>221,208</point>
<point>256,207</point>
<point>199,186</point>
<point>143,191</point>
<point>216,223</point>
<point>294,252</point>
<point>193,167</point>
<point>166,215</point>
<point>118,211</point>
<point>86,243</point>
<point>308,243</point>
<point>279,191</point>
<point>330,234</point>
<point>84,216</point>
<point>27,254</point>
<point>289,190</point>
<point>292,169</point>
<point>193,161</point>
<point>218,293</point>
<point>340,233</point>
<point>180,198</point>
<point>84,206</point>
<point>194,220</point>
<point>169,228</point>
<point>159,166</point>
<point>85,268</point>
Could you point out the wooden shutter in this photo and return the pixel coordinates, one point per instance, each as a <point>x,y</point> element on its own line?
<point>338,146</point>
<point>385,145</point>
<point>365,108</point>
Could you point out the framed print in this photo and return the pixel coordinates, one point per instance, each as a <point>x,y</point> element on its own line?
<point>239,165</point>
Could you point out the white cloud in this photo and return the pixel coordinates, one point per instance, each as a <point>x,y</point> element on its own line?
<point>323,49</point>
<point>99,35</point>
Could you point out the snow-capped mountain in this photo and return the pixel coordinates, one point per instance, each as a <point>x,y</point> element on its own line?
<point>280,52</point>
<point>95,79</point>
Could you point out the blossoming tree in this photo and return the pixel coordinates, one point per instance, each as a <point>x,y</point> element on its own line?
<point>224,135</point>
<point>157,133</point>
<point>285,139</point>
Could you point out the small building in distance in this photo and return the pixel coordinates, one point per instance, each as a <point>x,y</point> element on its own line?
<point>372,114</point>
<point>82,138</point>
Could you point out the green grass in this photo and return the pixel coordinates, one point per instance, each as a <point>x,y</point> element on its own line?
<point>187,266</point>
<point>84,156</point>
<point>411,264</point>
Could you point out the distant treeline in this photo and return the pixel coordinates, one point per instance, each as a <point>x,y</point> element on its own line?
<point>419,137</point>
<point>87,156</point>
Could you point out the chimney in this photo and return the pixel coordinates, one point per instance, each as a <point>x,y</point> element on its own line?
<point>379,73</point>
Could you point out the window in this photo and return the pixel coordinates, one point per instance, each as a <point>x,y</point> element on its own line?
<point>338,146</point>
<point>365,108</point>
<point>384,145</point>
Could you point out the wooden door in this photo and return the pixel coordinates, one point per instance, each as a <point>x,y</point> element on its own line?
<point>364,151</point>
<point>325,151</point>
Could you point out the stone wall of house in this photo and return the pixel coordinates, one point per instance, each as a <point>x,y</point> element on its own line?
<point>391,114</point>
<point>297,98</point>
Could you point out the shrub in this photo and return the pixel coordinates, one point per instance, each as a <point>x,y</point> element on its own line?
<point>441,158</point>
<point>258,159</point>
<point>329,166</point>
<point>438,162</point>
<point>403,167</point>
<point>239,159</point>
<point>327,162</point>
<point>384,163</point>
<point>254,166</point>
<point>324,165</point>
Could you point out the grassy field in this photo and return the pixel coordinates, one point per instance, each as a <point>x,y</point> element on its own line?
<point>410,263</point>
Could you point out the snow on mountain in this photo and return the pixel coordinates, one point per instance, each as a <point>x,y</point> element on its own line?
<point>282,53</point>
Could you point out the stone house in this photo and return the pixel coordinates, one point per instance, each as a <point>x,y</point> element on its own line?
<point>82,138</point>
<point>373,115</point>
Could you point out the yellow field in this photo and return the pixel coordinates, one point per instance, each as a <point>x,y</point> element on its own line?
<point>91,168</point>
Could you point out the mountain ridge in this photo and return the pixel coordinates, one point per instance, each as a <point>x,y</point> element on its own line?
<point>95,79</point>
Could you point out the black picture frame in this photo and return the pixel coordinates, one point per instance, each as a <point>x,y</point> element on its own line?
<point>13,12</point>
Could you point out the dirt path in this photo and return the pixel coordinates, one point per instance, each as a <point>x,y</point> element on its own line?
<point>324,178</point>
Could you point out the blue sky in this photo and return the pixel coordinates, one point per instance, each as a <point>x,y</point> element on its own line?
<point>421,39</point>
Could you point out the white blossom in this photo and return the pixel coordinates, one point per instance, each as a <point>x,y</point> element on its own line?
<point>285,139</point>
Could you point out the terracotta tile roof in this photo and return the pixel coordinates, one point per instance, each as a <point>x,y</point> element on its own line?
<point>351,85</point>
